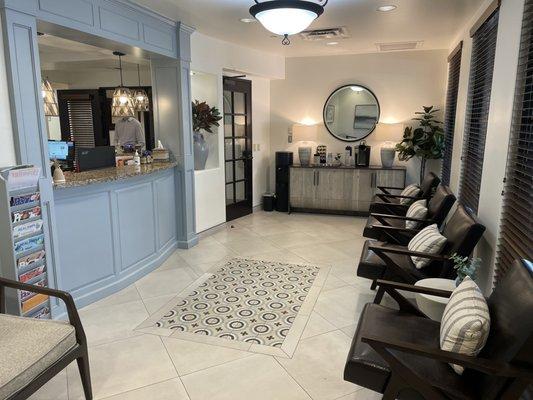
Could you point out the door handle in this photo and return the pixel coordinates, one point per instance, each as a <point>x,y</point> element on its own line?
<point>373,180</point>
<point>314,178</point>
<point>317,178</point>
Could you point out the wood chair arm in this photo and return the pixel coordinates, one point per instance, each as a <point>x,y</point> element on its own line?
<point>394,250</point>
<point>487,366</point>
<point>394,228</point>
<point>72,312</point>
<point>399,196</point>
<point>400,217</point>
<point>385,189</point>
<point>390,285</point>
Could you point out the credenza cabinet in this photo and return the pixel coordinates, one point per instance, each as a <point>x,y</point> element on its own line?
<point>339,190</point>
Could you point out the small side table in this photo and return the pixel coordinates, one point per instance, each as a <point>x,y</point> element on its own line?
<point>433,306</point>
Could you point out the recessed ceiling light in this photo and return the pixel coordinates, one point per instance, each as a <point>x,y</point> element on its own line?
<point>248,20</point>
<point>387,8</point>
<point>332,43</point>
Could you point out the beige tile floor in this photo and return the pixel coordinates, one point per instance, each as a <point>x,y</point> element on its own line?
<point>130,365</point>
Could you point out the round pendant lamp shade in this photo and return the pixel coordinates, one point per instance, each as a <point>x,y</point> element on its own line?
<point>286,17</point>
<point>49,99</point>
<point>122,104</point>
<point>140,98</point>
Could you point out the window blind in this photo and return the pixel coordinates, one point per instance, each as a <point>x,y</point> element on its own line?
<point>479,90</point>
<point>516,231</point>
<point>454,70</point>
<point>80,117</point>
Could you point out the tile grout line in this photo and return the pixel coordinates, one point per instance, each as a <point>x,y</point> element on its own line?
<point>293,378</point>
<point>175,368</point>
<point>133,390</point>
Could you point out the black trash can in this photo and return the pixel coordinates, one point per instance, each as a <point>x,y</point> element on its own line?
<point>269,201</point>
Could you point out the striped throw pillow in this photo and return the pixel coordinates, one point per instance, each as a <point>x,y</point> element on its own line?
<point>412,190</point>
<point>465,324</point>
<point>416,210</point>
<point>428,240</point>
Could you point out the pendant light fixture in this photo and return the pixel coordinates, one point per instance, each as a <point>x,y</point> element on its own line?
<point>122,105</point>
<point>287,17</point>
<point>140,98</point>
<point>49,99</point>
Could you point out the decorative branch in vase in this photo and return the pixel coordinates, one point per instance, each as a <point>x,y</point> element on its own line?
<point>465,267</point>
<point>204,118</point>
<point>425,142</point>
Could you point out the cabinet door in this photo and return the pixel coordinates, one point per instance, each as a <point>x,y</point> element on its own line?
<point>296,187</point>
<point>303,187</point>
<point>366,186</point>
<point>394,178</point>
<point>331,189</point>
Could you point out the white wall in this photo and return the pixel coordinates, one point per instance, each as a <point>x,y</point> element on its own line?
<point>220,58</point>
<point>499,125</point>
<point>403,82</point>
<point>7,149</point>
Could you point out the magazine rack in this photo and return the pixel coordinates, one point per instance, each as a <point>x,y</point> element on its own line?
<point>22,248</point>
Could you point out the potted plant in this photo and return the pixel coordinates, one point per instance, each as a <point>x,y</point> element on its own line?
<point>425,142</point>
<point>204,118</point>
<point>465,267</point>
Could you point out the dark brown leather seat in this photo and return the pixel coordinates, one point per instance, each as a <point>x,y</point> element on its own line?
<point>397,352</point>
<point>388,203</point>
<point>391,228</point>
<point>381,260</point>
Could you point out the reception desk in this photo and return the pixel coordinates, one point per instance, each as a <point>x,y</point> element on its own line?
<point>113,226</point>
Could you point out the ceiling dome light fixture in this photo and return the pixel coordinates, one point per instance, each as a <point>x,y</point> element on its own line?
<point>287,17</point>
<point>390,7</point>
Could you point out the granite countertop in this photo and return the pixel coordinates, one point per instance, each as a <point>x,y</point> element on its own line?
<point>75,179</point>
<point>373,167</point>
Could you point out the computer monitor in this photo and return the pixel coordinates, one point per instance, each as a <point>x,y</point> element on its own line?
<point>58,150</point>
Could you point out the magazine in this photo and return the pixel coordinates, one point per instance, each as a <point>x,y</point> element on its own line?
<point>29,244</point>
<point>22,215</point>
<point>24,199</point>
<point>29,228</point>
<point>28,276</point>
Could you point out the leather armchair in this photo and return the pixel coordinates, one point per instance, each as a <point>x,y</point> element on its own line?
<point>396,351</point>
<point>381,260</point>
<point>391,228</point>
<point>386,202</point>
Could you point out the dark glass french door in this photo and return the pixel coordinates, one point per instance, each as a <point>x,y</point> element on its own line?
<point>238,146</point>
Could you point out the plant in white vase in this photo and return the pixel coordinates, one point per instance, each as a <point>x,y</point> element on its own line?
<point>465,267</point>
<point>204,118</point>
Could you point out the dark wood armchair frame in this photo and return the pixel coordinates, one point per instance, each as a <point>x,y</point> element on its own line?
<point>402,377</point>
<point>78,352</point>
<point>390,232</point>
<point>382,250</point>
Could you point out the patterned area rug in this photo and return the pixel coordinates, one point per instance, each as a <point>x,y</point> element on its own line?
<point>260,306</point>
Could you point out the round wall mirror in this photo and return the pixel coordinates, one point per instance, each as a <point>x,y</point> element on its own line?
<point>351,113</point>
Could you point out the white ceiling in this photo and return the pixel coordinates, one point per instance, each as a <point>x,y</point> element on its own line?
<point>435,22</point>
<point>57,53</point>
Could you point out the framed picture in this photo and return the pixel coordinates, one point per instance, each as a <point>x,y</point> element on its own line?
<point>366,116</point>
<point>330,114</point>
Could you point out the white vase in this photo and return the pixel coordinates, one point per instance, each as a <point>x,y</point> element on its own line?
<point>201,151</point>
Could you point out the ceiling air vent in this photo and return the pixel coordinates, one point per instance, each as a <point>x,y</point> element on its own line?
<point>399,46</point>
<point>326,33</point>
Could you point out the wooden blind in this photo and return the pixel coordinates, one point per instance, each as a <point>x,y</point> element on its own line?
<point>477,112</point>
<point>516,231</point>
<point>80,117</point>
<point>454,70</point>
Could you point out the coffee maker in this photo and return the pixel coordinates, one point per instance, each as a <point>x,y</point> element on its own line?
<point>363,155</point>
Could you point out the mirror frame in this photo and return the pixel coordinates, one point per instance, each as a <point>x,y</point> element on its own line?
<point>327,101</point>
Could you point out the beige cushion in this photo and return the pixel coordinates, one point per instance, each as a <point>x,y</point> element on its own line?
<point>27,347</point>
<point>412,191</point>
<point>428,240</point>
<point>416,210</point>
<point>465,323</point>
